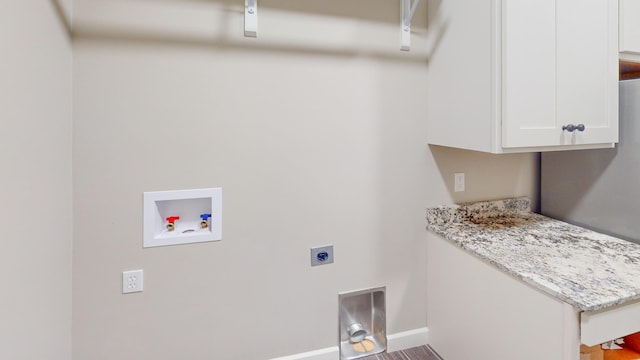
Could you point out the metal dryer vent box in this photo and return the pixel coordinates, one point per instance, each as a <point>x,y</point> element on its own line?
<point>362,323</point>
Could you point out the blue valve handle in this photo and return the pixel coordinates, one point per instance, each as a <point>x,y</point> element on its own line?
<point>205,216</point>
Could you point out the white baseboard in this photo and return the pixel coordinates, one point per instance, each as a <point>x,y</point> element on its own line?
<point>395,342</point>
<point>407,339</point>
<point>330,353</point>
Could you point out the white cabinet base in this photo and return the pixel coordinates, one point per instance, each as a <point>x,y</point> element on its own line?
<point>475,311</point>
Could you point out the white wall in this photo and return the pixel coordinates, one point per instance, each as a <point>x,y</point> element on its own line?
<point>315,132</point>
<point>35,196</point>
<point>489,176</point>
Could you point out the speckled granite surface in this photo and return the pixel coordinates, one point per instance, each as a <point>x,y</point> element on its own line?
<point>583,268</point>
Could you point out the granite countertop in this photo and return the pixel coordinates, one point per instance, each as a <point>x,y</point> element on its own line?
<point>586,269</point>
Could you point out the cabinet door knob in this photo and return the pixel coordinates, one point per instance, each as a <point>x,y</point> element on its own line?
<point>572,128</point>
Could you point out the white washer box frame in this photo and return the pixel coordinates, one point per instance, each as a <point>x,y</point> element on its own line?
<point>190,202</point>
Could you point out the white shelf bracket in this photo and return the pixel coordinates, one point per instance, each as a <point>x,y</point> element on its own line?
<point>405,23</point>
<point>250,18</point>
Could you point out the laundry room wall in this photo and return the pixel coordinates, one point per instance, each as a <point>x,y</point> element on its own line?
<point>315,131</point>
<point>35,163</point>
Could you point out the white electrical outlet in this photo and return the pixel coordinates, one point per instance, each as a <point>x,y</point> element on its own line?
<point>458,182</point>
<point>132,281</point>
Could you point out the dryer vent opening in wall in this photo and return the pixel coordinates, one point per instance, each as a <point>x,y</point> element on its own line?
<point>362,323</point>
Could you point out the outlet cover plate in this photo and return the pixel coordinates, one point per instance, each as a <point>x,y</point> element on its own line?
<point>458,182</point>
<point>321,255</point>
<point>132,281</point>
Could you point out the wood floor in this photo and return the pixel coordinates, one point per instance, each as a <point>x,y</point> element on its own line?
<point>417,353</point>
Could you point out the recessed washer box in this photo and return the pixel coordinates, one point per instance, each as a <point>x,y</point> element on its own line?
<point>161,208</point>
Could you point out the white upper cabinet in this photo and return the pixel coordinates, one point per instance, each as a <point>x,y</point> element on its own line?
<point>630,29</point>
<point>520,75</point>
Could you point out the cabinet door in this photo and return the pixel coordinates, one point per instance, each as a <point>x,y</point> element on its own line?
<point>588,69</point>
<point>630,26</point>
<point>559,68</point>
<point>528,73</point>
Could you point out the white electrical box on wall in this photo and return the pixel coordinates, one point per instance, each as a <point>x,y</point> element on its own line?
<point>182,217</point>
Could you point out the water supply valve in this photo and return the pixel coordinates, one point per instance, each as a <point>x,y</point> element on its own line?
<point>204,223</point>
<point>170,222</point>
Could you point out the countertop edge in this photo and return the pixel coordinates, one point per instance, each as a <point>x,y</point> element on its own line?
<point>533,283</point>
<point>447,222</point>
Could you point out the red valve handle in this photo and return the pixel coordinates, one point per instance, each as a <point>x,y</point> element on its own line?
<point>172,219</point>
